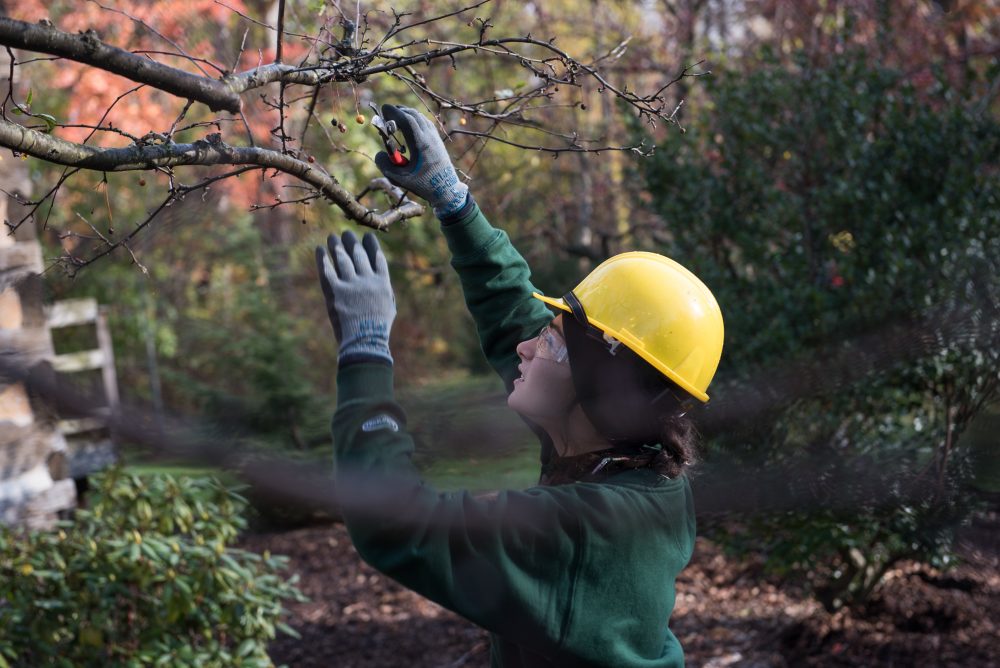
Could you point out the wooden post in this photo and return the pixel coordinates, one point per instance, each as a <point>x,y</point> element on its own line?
<point>90,445</point>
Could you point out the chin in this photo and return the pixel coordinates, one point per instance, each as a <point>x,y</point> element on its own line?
<point>514,398</point>
<point>521,402</point>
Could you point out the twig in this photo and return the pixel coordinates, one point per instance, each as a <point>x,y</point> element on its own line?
<point>639,148</point>
<point>108,110</point>
<point>180,55</point>
<point>281,84</point>
<point>35,205</point>
<point>435,18</point>
<point>158,34</point>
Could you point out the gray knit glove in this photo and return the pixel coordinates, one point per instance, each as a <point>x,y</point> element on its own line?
<point>429,173</point>
<point>359,299</point>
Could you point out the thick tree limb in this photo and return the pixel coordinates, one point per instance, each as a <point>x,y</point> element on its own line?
<point>211,151</point>
<point>278,72</point>
<point>89,49</point>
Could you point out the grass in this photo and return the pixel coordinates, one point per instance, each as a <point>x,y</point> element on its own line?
<point>453,422</point>
<point>517,470</point>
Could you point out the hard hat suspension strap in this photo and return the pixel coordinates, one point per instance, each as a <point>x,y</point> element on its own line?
<point>670,398</point>
<point>580,315</point>
<point>577,308</point>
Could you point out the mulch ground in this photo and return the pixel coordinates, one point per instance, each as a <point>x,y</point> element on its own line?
<point>728,613</point>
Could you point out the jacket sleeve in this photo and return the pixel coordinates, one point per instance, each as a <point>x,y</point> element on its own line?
<point>504,564</point>
<point>497,285</point>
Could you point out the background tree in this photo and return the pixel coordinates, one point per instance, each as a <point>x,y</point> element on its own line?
<point>846,222</point>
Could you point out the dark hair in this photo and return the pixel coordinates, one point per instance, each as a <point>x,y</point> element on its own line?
<point>630,402</point>
<point>679,446</point>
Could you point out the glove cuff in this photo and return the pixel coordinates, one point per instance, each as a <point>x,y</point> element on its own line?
<point>365,338</point>
<point>344,361</point>
<point>460,213</point>
<point>454,201</point>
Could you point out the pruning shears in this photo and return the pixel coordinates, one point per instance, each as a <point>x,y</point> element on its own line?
<point>387,131</point>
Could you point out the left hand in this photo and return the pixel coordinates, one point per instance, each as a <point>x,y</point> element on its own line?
<point>359,300</point>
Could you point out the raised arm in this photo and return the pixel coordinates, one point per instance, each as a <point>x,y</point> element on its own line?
<point>497,285</point>
<point>495,278</point>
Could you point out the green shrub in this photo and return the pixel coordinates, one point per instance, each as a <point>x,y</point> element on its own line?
<point>826,204</point>
<point>144,576</point>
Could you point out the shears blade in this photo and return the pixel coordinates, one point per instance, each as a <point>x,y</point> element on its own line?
<point>387,131</point>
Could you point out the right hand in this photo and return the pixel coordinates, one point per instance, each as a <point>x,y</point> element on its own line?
<point>354,277</point>
<point>429,173</point>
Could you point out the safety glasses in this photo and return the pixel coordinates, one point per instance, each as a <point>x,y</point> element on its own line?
<point>551,345</point>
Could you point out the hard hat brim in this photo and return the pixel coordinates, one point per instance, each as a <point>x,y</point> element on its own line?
<point>560,304</point>
<point>552,301</point>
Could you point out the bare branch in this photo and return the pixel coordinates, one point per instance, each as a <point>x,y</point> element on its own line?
<point>281,90</point>
<point>107,111</point>
<point>574,146</point>
<point>211,151</point>
<point>395,31</point>
<point>350,60</point>
<point>274,72</point>
<point>267,26</point>
<point>192,59</point>
<point>156,32</point>
<point>87,48</point>
<point>686,73</point>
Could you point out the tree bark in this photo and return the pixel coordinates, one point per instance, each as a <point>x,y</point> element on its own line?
<point>89,49</point>
<point>212,151</point>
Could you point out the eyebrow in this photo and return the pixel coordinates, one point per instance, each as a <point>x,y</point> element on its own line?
<point>557,325</point>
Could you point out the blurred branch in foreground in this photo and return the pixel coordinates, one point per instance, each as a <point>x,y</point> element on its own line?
<point>804,485</point>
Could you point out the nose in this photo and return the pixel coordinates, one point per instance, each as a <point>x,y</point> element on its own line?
<point>526,349</point>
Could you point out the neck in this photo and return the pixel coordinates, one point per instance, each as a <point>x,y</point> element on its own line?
<point>575,435</point>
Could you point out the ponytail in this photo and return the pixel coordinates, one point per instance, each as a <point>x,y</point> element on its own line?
<point>678,441</point>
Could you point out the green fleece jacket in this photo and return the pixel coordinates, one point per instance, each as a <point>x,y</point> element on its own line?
<point>578,574</point>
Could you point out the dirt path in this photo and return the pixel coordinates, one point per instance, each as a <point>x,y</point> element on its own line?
<point>727,613</point>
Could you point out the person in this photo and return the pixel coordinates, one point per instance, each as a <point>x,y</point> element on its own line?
<point>580,569</point>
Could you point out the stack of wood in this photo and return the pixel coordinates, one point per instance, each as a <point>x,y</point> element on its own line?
<point>41,454</point>
<point>34,477</point>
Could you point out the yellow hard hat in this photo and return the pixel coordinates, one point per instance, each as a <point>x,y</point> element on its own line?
<point>656,308</point>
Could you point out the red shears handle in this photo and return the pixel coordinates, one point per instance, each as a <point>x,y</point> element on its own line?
<point>395,156</point>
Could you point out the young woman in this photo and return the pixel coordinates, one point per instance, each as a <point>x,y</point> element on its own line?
<point>579,570</point>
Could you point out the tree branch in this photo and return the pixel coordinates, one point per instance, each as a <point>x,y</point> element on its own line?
<point>146,26</point>
<point>87,48</point>
<point>210,151</point>
<point>225,94</point>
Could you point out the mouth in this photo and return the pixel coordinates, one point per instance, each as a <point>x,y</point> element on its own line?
<point>520,379</point>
